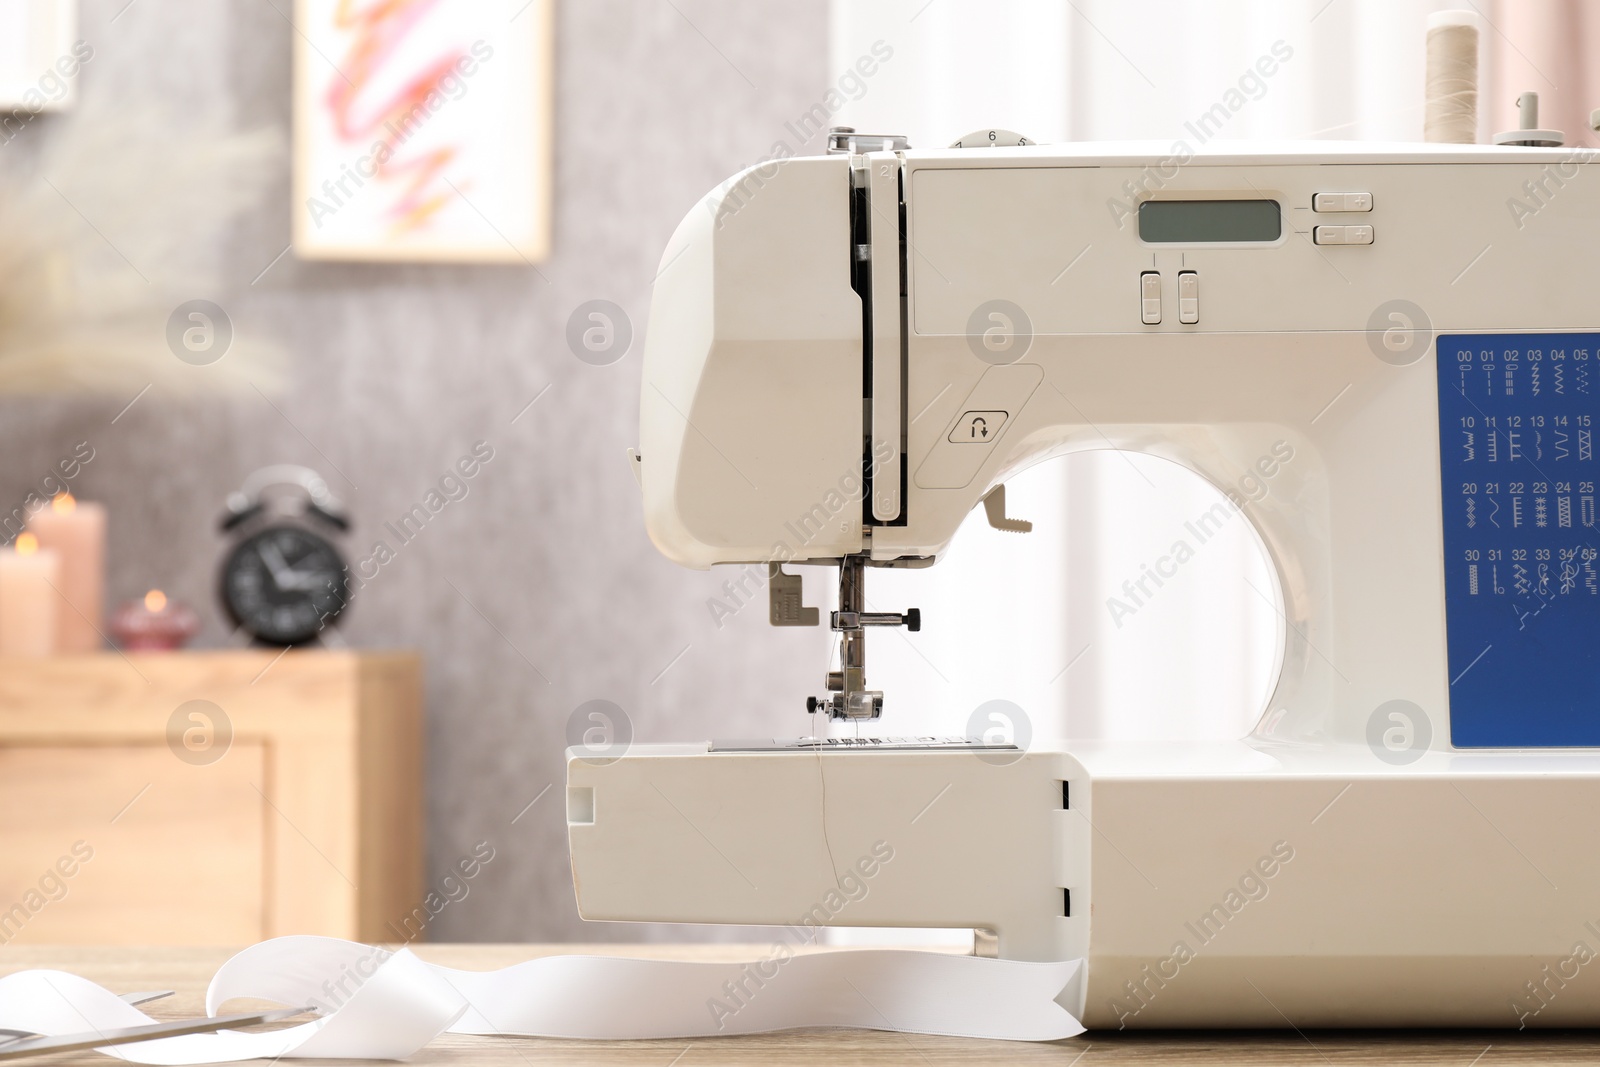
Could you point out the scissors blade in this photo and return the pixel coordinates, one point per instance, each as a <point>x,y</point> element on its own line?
<point>8,1035</point>
<point>127,1035</point>
<point>146,997</point>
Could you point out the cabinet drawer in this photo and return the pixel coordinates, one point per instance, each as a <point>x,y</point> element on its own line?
<point>129,845</point>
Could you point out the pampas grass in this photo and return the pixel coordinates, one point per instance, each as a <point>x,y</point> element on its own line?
<point>123,218</point>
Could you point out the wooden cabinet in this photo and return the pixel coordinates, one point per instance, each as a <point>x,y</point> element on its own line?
<point>209,798</point>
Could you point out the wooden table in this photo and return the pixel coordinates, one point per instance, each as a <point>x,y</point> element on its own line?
<point>187,970</point>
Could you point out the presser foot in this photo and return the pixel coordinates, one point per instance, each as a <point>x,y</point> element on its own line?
<point>848,696</point>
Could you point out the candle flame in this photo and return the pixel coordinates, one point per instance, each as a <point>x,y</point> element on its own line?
<point>27,544</point>
<point>64,503</point>
<point>155,600</point>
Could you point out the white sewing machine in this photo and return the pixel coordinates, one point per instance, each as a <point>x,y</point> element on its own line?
<point>846,354</point>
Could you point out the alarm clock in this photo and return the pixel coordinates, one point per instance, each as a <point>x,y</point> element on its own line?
<point>284,579</point>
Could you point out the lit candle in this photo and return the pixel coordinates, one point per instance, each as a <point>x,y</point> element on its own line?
<point>29,578</point>
<point>77,533</point>
<point>153,624</point>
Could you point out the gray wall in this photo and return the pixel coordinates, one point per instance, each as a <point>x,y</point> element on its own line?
<point>397,370</point>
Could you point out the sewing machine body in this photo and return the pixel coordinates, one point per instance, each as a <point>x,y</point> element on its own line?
<point>1228,884</point>
<point>823,354</point>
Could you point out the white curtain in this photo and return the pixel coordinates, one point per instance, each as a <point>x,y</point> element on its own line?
<point>1005,615</point>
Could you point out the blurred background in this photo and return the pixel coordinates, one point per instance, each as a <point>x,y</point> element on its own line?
<point>166,159</point>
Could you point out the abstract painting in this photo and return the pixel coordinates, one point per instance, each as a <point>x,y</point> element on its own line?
<point>422,130</point>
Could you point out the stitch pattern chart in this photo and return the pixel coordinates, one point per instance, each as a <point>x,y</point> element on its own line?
<point>1517,416</point>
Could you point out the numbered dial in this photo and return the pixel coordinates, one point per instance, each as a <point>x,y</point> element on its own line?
<point>992,139</point>
<point>282,584</point>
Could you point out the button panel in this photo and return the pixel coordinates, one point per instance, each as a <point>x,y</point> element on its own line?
<point>1342,235</point>
<point>977,427</point>
<point>1188,297</point>
<point>1150,298</point>
<point>1341,202</point>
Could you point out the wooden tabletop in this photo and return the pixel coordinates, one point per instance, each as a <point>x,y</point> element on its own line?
<point>187,970</point>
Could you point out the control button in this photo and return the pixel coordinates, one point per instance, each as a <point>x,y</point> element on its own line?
<point>1003,391</point>
<point>977,427</point>
<point>1341,202</point>
<point>1342,235</point>
<point>1188,297</point>
<point>1150,297</point>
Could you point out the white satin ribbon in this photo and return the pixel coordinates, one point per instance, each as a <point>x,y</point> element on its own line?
<point>387,1005</point>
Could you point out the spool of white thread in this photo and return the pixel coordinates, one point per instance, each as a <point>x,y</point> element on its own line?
<point>1452,78</point>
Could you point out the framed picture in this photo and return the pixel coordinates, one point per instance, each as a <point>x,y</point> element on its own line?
<point>422,130</point>
<point>39,59</point>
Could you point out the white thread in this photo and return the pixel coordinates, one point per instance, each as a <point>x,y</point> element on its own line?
<point>1452,78</point>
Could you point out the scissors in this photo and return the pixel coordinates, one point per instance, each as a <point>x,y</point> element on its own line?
<point>15,1044</point>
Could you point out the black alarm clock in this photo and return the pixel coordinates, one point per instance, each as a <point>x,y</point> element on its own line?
<point>284,580</point>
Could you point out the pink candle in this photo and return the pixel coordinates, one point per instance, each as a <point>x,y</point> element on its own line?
<point>29,578</point>
<point>153,624</point>
<point>76,532</point>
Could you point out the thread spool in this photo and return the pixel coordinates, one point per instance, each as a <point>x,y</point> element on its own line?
<point>1451,115</point>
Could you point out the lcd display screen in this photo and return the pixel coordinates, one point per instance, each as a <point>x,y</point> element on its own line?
<point>1209,221</point>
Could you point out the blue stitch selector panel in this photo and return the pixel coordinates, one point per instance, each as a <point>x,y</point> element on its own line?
<point>1517,419</point>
